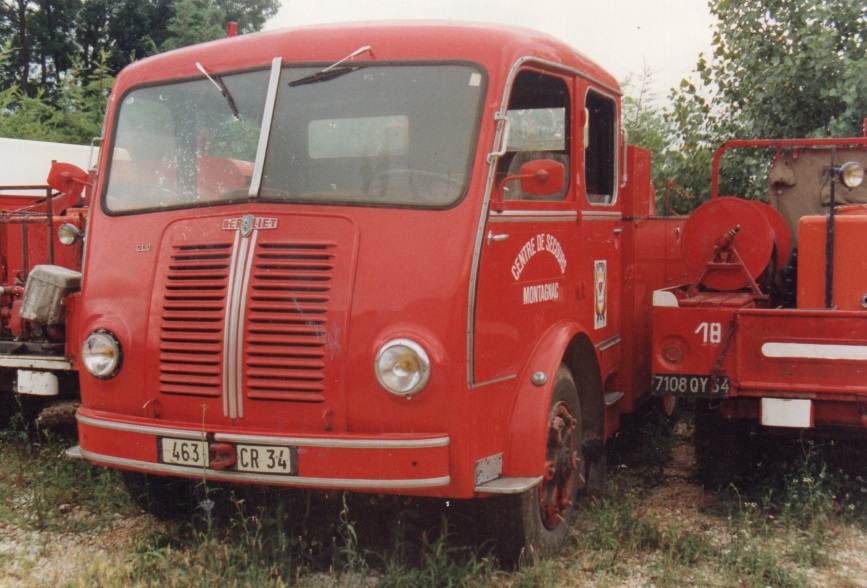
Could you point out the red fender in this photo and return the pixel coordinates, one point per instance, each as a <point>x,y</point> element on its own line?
<point>528,422</point>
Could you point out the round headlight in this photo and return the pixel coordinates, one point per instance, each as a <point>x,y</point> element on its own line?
<point>402,367</point>
<point>851,174</point>
<point>68,233</point>
<point>101,354</point>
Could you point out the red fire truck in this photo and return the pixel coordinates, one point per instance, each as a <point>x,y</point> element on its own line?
<point>392,258</point>
<point>771,329</point>
<point>40,257</point>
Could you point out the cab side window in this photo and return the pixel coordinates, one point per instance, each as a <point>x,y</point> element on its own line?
<point>539,129</point>
<point>600,148</point>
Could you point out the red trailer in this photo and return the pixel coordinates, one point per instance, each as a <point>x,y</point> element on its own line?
<point>771,331</point>
<point>41,229</point>
<point>410,258</point>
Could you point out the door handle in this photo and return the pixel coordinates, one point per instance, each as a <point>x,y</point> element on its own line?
<point>492,238</point>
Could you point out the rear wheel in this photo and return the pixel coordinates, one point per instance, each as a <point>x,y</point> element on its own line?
<point>719,446</point>
<point>539,520</point>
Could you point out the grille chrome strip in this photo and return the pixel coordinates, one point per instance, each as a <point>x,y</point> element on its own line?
<point>238,355</point>
<point>243,251</point>
<point>229,408</point>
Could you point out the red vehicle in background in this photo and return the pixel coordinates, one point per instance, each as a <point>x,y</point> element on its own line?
<point>771,331</point>
<point>41,229</point>
<point>392,258</point>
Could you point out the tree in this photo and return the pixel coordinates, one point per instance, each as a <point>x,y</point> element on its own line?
<point>45,37</point>
<point>779,69</point>
<point>74,116</point>
<point>15,20</point>
<point>196,21</point>
<point>790,68</point>
<point>59,55</point>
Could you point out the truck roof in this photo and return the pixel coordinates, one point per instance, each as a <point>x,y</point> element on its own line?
<point>496,47</point>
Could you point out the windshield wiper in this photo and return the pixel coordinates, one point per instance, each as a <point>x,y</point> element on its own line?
<point>221,86</point>
<point>332,71</point>
<point>323,76</point>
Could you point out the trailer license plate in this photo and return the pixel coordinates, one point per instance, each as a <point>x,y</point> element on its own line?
<point>184,452</point>
<point>690,385</point>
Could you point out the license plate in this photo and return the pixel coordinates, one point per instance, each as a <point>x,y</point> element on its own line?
<point>263,459</point>
<point>184,452</point>
<point>691,386</point>
<point>260,459</point>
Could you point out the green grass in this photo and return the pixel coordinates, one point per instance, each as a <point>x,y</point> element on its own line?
<point>41,488</point>
<point>781,531</point>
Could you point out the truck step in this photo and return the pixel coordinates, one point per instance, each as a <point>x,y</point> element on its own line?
<point>508,485</point>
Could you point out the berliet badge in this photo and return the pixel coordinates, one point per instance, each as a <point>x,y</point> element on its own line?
<point>248,223</point>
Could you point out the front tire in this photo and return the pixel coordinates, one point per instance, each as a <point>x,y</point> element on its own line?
<point>538,520</point>
<point>164,497</point>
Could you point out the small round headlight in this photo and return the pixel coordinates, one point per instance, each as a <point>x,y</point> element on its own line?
<point>402,367</point>
<point>101,354</point>
<point>68,233</point>
<point>851,174</point>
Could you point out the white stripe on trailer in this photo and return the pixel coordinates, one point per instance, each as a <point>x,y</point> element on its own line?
<point>815,351</point>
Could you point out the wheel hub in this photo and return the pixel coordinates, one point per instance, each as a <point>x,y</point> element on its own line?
<point>562,461</point>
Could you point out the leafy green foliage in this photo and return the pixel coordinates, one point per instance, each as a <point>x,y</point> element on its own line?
<point>778,69</point>
<point>48,39</point>
<point>59,57</point>
<point>194,21</point>
<point>791,68</point>
<point>73,116</point>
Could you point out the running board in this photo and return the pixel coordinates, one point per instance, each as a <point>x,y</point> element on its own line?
<point>508,485</point>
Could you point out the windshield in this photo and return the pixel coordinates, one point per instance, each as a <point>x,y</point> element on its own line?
<point>392,135</point>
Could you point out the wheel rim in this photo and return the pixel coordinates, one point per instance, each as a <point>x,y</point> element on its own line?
<point>562,461</point>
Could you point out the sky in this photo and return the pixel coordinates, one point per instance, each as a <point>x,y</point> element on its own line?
<point>623,36</point>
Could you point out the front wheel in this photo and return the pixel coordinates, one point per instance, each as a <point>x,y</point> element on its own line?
<point>164,497</point>
<point>538,520</point>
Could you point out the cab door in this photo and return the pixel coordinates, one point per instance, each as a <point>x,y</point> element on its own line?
<point>529,248</point>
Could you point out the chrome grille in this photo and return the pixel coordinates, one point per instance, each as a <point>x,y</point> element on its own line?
<point>284,328</point>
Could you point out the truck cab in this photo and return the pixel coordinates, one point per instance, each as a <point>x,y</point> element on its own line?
<point>410,258</point>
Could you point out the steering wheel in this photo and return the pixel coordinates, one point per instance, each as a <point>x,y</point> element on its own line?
<point>424,185</point>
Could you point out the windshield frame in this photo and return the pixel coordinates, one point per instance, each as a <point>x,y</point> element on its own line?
<point>283,68</point>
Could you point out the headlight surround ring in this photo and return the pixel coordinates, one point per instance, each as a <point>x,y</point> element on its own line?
<point>102,354</point>
<point>402,367</point>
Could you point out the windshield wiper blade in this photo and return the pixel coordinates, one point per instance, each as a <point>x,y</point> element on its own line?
<point>323,76</point>
<point>332,71</point>
<point>221,86</point>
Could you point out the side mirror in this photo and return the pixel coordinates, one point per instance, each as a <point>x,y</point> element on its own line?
<point>540,177</point>
<point>67,179</point>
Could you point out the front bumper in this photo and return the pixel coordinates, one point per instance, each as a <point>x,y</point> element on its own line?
<point>385,463</point>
